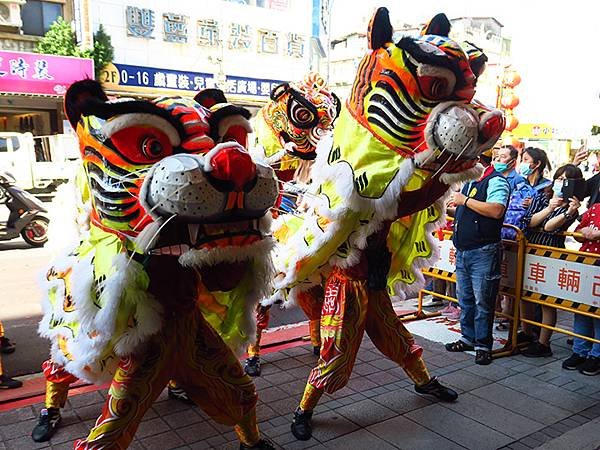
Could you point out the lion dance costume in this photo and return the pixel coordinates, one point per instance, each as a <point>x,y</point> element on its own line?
<point>288,130</point>
<point>408,130</point>
<point>164,284</point>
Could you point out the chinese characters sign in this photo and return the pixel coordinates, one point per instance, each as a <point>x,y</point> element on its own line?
<point>33,73</point>
<point>207,31</point>
<point>140,23</point>
<point>577,282</point>
<point>239,36</point>
<point>268,41</point>
<point>295,45</point>
<point>124,76</point>
<point>175,27</point>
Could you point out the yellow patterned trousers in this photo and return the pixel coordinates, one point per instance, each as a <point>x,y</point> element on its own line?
<point>311,303</point>
<point>350,309</point>
<point>189,350</point>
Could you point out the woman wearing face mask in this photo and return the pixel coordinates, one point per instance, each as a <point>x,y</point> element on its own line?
<point>549,214</point>
<point>525,186</point>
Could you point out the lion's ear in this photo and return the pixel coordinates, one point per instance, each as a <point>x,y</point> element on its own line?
<point>79,93</point>
<point>380,29</point>
<point>279,90</point>
<point>210,97</point>
<point>439,25</point>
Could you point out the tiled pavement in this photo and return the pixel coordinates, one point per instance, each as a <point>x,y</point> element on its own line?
<point>514,403</point>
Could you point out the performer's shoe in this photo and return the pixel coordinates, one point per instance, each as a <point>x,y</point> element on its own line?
<point>317,350</point>
<point>47,424</point>
<point>301,425</point>
<point>7,382</point>
<point>263,444</point>
<point>176,393</point>
<point>435,388</point>
<point>6,346</point>
<point>252,366</point>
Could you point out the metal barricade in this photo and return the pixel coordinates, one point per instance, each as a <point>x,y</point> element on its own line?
<point>564,279</point>
<point>572,283</point>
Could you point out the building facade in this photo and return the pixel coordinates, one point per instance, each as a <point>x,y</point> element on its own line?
<point>245,47</point>
<point>485,32</point>
<point>32,85</point>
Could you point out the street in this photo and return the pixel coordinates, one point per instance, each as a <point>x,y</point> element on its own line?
<point>20,307</point>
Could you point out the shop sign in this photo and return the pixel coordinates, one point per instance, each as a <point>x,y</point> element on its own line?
<point>295,45</point>
<point>36,73</point>
<point>129,78</point>
<point>140,22</point>
<point>533,131</point>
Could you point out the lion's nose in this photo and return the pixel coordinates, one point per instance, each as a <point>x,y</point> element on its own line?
<point>231,164</point>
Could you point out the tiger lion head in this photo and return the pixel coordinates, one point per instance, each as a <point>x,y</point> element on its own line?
<point>299,114</point>
<point>415,95</point>
<point>166,178</point>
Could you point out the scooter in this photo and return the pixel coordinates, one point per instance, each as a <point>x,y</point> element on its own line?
<point>25,218</point>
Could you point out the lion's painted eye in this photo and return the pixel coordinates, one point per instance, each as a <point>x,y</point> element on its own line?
<point>302,113</point>
<point>152,147</point>
<point>439,88</point>
<point>435,87</point>
<point>142,144</point>
<point>301,116</point>
<point>436,82</point>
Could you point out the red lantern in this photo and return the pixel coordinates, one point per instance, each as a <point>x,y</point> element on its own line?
<point>511,77</point>
<point>511,121</point>
<point>511,140</point>
<point>509,100</point>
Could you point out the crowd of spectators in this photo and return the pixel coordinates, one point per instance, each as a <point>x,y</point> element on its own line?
<point>516,189</point>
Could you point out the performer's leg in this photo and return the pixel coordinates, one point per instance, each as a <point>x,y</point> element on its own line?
<point>58,381</point>
<point>391,338</point>
<point>176,392</point>
<point>137,383</point>
<point>252,364</point>
<point>311,303</point>
<point>314,327</point>
<point>7,382</point>
<point>342,328</point>
<point>214,379</point>
<point>5,345</point>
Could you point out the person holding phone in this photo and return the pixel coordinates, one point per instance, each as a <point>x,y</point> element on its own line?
<point>586,355</point>
<point>551,213</point>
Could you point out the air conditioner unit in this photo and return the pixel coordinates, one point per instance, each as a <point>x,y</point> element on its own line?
<point>10,13</point>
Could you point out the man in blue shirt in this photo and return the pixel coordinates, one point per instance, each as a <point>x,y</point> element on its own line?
<point>478,222</point>
<point>505,162</point>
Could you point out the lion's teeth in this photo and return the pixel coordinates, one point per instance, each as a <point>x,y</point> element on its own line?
<point>193,229</point>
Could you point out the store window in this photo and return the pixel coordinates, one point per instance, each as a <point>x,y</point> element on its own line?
<point>11,140</point>
<point>38,15</point>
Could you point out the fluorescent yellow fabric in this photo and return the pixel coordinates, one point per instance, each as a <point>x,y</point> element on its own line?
<point>357,183</point>
<point>373,164</point>
<point>85,315</point>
